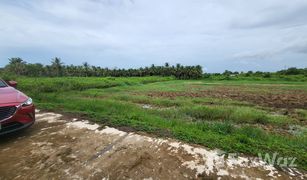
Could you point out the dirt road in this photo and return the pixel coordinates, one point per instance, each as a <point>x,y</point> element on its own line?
<point>58,147</point>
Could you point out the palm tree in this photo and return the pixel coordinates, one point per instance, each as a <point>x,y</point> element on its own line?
<point>16,66</point>
<point>57,67</point>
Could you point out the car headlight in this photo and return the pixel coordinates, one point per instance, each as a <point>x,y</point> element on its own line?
<point>28,102</point>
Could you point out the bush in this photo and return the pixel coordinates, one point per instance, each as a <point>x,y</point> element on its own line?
<point>8,76</point>
<point>267,75</point>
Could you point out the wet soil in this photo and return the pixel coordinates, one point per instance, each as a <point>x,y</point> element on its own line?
<point>278,99</point>
<point>61,147</point>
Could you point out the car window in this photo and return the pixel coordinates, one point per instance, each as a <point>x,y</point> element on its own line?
<point>2,84</point>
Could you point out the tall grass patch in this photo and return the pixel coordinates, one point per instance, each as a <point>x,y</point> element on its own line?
<point>234,114</point>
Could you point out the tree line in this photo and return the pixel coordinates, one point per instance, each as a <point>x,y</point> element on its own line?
<point>57,68</point>
<point>289,71</point>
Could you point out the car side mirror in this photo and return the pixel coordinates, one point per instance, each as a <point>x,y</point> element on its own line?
<point>12,84</point>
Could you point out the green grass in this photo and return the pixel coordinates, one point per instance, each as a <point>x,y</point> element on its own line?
<point>235,114</point>
<point>234,126</point>
<point>82,83</point>
<point>302,113</point>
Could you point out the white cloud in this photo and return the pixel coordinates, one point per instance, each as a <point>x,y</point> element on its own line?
<point>133,33</point>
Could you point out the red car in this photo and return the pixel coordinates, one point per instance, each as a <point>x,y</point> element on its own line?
<point>17,110</point>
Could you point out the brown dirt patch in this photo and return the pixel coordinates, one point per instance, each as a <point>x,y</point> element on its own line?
<point>285,99</point>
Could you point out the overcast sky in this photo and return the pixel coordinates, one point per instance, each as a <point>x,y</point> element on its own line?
<point>240,35</point>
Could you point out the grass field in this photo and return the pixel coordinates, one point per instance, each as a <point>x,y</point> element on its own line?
<point>242,116</point>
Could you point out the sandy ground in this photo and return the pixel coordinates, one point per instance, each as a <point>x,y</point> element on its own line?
<point>58,147</point>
